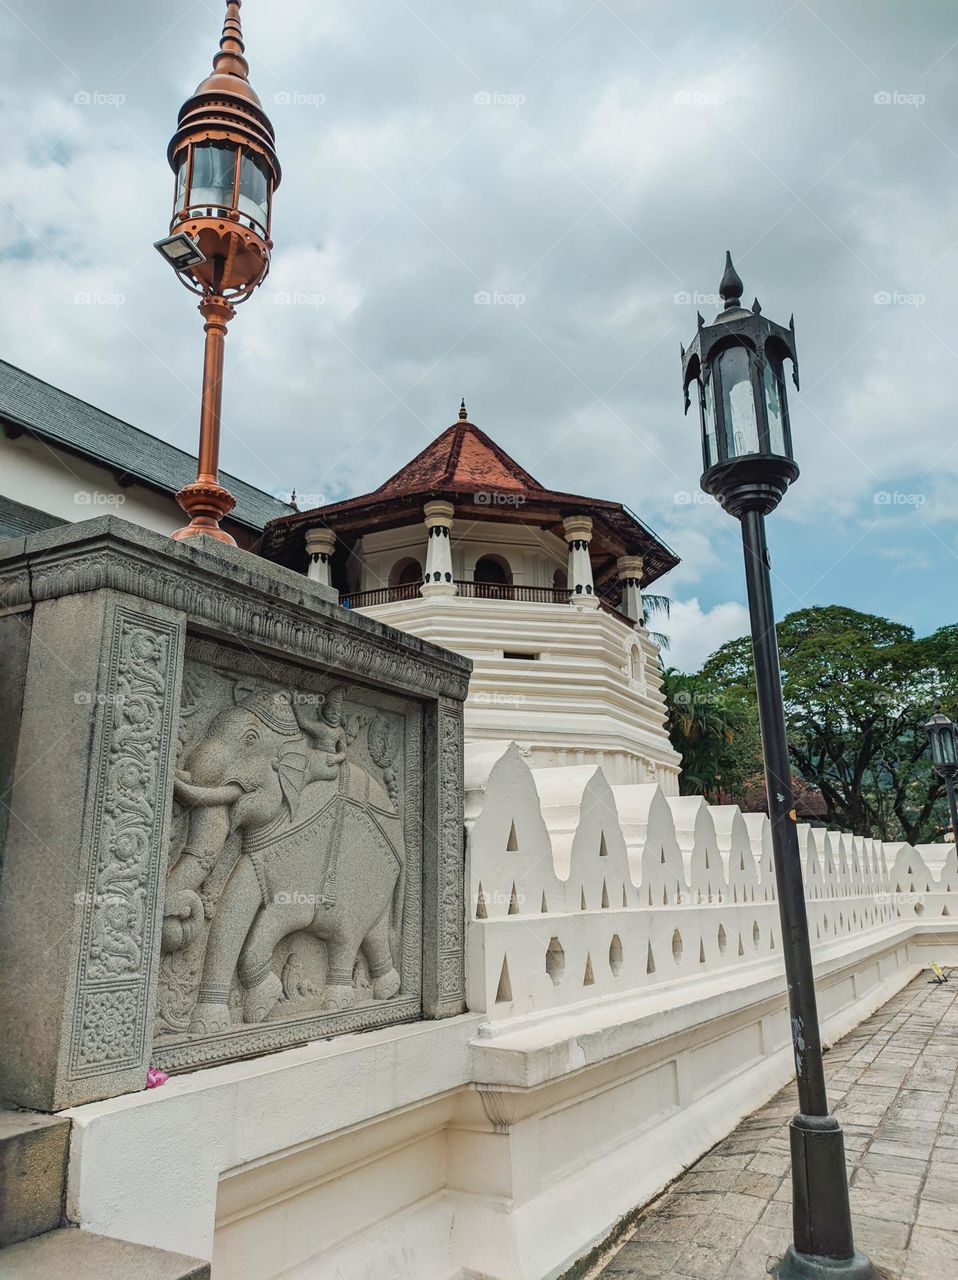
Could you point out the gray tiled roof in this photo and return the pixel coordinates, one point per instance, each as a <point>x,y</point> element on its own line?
<point>45,411</point>
<point>16,519</point>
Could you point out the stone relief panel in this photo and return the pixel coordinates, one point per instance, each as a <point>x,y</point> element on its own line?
<point>293,895</point>
<point>127,837</point>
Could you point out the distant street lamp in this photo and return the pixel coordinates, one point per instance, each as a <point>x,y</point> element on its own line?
<point>224,158</point>
<point>943,737</point>
<point>737,365</point>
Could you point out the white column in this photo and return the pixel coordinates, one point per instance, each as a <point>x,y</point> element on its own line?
<point>319,547</point>
<point>578,534</point>
<point>629,570</point>
<point>438,576</point>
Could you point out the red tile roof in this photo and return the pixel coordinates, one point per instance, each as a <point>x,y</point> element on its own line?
<point>462,464</point>
<point>462,459</point>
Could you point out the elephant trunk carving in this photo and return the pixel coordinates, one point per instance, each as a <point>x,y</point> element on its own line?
<point>322,852</point>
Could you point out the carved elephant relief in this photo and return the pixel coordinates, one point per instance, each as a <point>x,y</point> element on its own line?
<point>315,851</point>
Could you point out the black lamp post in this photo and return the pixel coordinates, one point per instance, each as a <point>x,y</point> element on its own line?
<point>944,758</point>
<point>737,366</point>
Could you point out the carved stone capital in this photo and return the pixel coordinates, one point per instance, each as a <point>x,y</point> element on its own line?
<point>577,528</point>
<point>320,541</point>
<point>501,1107</point>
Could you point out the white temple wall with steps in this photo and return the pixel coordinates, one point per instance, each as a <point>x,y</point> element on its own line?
<point>627,1007</point>
<point>570,686</point>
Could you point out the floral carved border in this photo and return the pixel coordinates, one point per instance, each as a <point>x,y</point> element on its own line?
<point>126,835</point>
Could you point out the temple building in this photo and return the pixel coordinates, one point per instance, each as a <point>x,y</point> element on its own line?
<point>541,589</point>
<point>63,460</point>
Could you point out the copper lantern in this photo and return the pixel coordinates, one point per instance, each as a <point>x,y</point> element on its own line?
<point>224,159</point>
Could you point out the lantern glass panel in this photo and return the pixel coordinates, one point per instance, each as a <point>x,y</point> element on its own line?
<point>707,412</point>
<point>254,188</point>
<point>213,165</point>
<point>180,199</point>
<point>944,748</point>
<point>738,402</point>
<point>775,403</point>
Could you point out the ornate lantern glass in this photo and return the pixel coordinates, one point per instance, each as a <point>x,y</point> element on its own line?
<point>223,179</point>
<point>943,738</point>
<point>737,368</point>
<point>225,167</point>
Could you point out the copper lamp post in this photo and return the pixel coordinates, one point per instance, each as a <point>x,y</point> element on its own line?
<point>224,157</point>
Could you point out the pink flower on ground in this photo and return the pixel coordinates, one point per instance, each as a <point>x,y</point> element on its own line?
<point>155,1077</point>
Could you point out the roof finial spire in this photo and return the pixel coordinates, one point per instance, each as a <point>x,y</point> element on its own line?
<point>731,287</point>
<point>230,61</point>
<point>462,410</point>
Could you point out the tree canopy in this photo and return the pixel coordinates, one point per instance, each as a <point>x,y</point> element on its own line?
<point>857,690</point>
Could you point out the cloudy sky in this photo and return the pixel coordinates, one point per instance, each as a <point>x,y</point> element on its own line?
<point>585,166</point>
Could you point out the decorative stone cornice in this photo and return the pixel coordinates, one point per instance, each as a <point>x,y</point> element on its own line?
<point>577,529</point>
<point>629,567</point>
<point>264,605</point>
<point>438,513</point>
<point>320,541</point>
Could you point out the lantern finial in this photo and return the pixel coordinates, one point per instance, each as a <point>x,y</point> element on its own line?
<point>730,290</point>
<point>224,156</point>
<point>230,61</point>
<point>462,410</point>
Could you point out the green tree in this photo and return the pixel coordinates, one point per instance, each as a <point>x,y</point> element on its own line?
<point>857,690</point>
<point>716,733</point>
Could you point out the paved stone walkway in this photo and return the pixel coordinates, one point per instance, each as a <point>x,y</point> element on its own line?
<point>892,1083</point>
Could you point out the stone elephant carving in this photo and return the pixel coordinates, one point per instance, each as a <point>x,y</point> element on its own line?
<point>322,851</point>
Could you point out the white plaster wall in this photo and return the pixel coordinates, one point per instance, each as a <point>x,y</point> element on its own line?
<point>576,702</point>
<point>39,475</point>
<point>505,1143</point>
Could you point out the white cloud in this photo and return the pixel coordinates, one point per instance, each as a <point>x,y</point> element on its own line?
<point>695,633</point>
<point>601,198</point>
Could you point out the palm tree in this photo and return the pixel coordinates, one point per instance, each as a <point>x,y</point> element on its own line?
<point>702,727</point>
<point>653,606</point>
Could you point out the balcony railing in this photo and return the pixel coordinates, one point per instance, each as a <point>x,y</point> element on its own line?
<point>511,591</point>
<point>616,613</point>
<point>381,595</point>
<point>475,591</point>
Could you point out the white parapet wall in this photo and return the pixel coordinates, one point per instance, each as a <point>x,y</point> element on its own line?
<point>627,1007</point>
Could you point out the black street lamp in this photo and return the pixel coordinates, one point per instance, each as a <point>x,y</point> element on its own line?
<point>944,758</point>
<point>737,366</point>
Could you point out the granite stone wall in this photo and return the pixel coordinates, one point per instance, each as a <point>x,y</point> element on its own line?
<point>232,815</point>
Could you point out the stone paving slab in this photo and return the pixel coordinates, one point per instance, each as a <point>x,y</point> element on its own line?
<point>892,1083</point>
